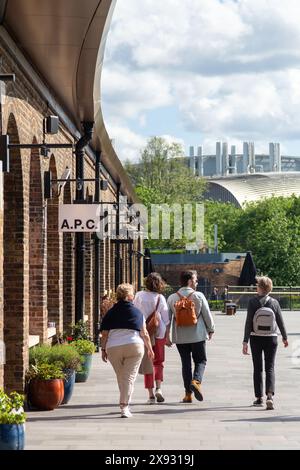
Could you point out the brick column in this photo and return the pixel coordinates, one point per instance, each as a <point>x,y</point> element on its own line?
<point>37,254</point>
<point>68,271</point>
<point>54,261</point>
<point>16,272</point>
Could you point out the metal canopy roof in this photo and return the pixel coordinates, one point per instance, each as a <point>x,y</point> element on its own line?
<point>64,40</point>
<point>240,189</point>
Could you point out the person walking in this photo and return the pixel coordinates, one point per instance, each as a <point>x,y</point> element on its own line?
<point>192,325</point>
<point>263,318</point>
<point>124,335</point>
<point>148,301</point>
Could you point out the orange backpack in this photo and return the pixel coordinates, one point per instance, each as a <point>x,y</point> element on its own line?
<point>185,311</point>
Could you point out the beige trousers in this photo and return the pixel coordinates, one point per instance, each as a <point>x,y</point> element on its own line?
<point>126,360</point>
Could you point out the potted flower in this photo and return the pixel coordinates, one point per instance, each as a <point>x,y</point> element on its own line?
<point>86,350</point>
<point>45,385</point>
<point>12,419</point>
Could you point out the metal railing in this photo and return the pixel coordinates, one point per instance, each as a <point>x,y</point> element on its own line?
<point>287,296</point>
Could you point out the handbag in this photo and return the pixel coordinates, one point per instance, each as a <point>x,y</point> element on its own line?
<point>152,321</point>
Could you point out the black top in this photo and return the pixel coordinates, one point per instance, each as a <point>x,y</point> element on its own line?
<point>123,315</point>
<point>253,305</point>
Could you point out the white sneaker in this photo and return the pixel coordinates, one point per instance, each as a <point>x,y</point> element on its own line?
<point>151,401</point>
<point>159,396</point>
<point>270,404</point>
<point>125,412</point>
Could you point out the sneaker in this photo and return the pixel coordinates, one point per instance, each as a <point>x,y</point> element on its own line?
<point>159,396</point>
<point>188,398</point>
<point>196,388</point>
<point>151,401</point>
<point>125,412</point>
<point>270,403</point>
<point>258,402</point>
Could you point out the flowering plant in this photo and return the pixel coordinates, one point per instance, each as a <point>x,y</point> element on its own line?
<point>11,408</point>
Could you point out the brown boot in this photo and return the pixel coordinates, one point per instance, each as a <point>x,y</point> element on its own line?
<point>196,387</point>
<point>188,398</point>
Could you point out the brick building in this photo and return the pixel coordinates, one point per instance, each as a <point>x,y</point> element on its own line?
<point>219,270</point>
<point>56,53</point>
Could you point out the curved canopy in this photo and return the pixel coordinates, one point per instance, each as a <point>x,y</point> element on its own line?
<point>239,189</point>
<point>64,40</point>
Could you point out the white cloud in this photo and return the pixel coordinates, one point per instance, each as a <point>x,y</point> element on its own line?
<point>232,68</point>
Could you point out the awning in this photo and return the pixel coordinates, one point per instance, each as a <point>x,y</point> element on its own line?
<point>64,40</point>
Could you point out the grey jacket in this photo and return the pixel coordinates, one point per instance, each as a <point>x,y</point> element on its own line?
<point>205,324</point>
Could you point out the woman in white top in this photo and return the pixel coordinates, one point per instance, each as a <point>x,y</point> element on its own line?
<point>146,301</point>
<point>124,335</point>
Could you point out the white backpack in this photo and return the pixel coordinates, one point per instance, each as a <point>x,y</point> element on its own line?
<point>264,320</point>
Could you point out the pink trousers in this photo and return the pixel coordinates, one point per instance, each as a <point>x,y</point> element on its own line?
<point>158,366</point>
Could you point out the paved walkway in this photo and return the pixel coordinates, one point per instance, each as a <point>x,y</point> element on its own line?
<point>224,420</point>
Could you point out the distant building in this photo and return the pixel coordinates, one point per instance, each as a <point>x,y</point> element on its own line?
<point>240,189</point>
<point>225,163</point>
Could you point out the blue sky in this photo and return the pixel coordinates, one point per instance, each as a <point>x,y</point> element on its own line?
<point>199,71</point>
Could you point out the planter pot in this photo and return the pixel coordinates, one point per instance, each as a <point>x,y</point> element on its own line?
<point>68,385</point>
<point>12,436</point>
<point>46,394</point>
<point>83,375</point>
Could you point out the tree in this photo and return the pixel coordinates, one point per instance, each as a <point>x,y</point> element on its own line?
<point>270,228</point>
<point>162,177</point>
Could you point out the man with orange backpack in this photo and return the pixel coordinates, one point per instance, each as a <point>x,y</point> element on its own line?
<point>192,325</point>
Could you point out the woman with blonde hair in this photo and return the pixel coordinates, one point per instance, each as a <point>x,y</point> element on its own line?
<point>263,318</point>
<point>124,335</point>
<point>148,301</point>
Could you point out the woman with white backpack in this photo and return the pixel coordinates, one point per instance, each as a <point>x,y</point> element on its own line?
<point>263,320</point>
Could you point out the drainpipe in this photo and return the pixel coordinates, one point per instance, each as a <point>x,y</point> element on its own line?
<point>96,328</point>
<point>79,237</point>
<point>118,254</point>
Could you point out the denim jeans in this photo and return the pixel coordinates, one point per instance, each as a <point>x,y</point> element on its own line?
<point>266,345</point>
<point>198,353</point>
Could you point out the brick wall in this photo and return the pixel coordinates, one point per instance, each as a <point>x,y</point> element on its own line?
<point>218,274</point>
<point>38,273</point>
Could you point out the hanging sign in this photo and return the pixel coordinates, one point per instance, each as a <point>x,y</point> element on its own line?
<point>79,218</point>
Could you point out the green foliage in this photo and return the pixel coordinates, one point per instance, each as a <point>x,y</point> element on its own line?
<point>162,177</point>
<point>45,372</point>
<point>63,354</point>
<point>83,346</point>
<point>40,354</point>
<point>269,228</point>
<point>80,331</point>
<point>11,408</point>
<point>216,305</point>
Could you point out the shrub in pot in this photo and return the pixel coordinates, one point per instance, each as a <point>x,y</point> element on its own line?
<point>12,419</point>
<point>86,350</point>
<point>45,386</point>
<point>64,355</point>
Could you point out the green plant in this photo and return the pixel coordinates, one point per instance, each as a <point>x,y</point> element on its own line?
<point>45,372</point>
<point>216,304</point>
<point>40,354</point>
<point>80,331</point>
<point>66,355</point>
<point>11,408</point>
<point>83,346</point>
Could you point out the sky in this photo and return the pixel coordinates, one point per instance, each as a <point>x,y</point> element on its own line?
<point>201,71</point>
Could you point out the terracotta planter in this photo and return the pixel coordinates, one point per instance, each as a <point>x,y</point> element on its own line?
<point>46,394</point>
